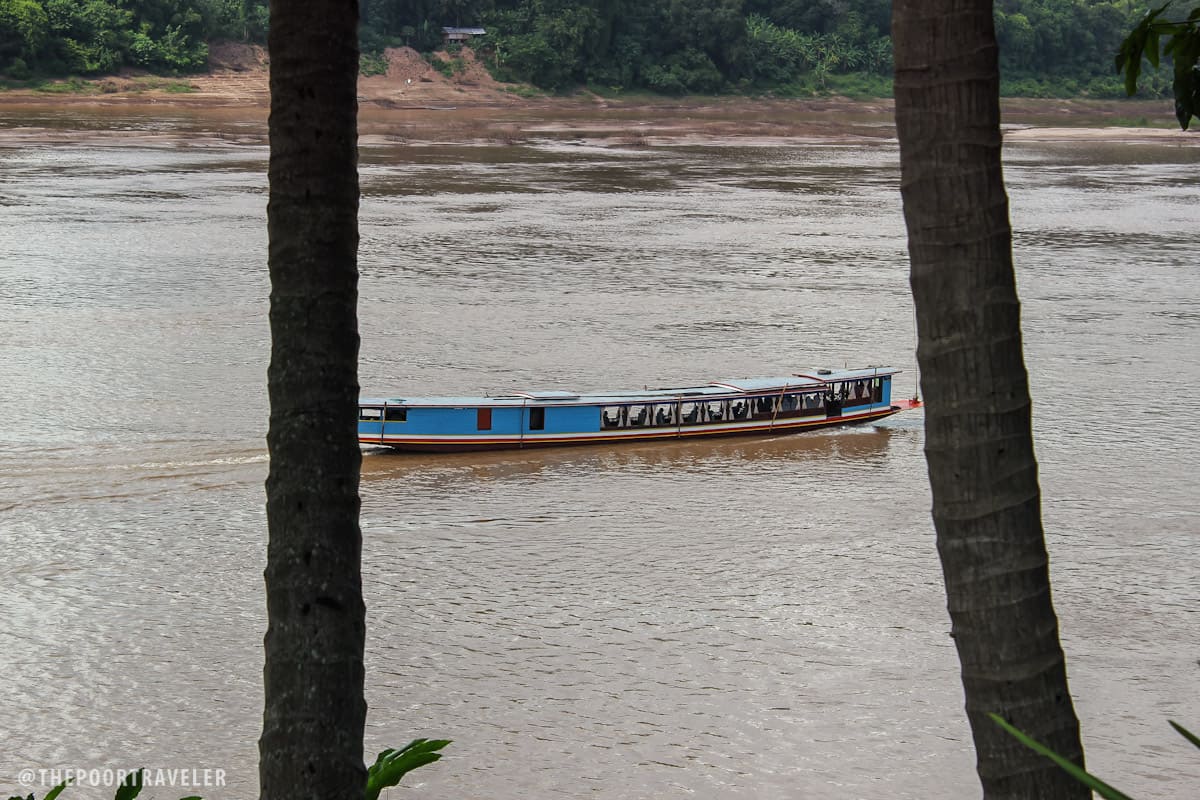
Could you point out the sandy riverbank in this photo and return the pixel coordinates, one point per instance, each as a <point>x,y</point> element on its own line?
<point>413,101</point>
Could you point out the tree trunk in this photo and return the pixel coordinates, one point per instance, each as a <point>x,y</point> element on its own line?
<point>312,739</point>
<point>979,442</point>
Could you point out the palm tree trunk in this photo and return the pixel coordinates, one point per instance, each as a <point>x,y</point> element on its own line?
<point>979,442</point>
<point>312,739</point>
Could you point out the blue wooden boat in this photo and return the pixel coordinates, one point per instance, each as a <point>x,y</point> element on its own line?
<point>742,407</point>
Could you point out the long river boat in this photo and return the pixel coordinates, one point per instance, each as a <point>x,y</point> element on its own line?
<point>742,407</point>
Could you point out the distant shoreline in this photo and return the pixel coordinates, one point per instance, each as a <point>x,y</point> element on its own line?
<point>414,103</point>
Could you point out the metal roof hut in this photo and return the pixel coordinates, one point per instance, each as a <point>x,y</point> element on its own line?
<point>461,35</point>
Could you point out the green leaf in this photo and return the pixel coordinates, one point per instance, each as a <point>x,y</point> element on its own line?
<point>1152,50</point>
<point>1187,94</point>
<point>131,787</point>
<point>1185,733</point>
<point>391,765</point>
<point>1182,45</point>
<point>1129,58</point>
<point>56,791</point>
<point>1074,770</point>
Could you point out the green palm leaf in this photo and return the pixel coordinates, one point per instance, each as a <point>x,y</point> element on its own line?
<point>131,787</point>
<point>391,765</point>
<point>1185,733</point>
<point>1075,771</point>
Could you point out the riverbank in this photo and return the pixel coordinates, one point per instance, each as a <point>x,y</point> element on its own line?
<point>460,102</point>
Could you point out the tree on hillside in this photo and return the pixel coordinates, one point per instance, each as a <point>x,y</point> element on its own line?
<point>312,739</point>
<point>979,442</point>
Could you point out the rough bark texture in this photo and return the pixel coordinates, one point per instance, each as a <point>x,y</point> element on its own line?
<point>979,443</point>
<point>312,740</point>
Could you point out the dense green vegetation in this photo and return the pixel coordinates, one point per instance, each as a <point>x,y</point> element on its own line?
<point>1048,47</point>
<point>92,37</point>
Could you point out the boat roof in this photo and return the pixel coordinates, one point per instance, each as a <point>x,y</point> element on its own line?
<point>813,379</point>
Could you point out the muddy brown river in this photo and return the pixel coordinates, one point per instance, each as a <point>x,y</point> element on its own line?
<point>742,619</point>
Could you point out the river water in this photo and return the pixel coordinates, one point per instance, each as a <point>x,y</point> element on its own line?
<point>753,618</point>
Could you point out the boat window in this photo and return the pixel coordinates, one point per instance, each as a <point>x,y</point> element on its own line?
<point>638,415</point>
<point>537,419</point>
<point>483,419</point>
<point>813,401</point>
<point>714,410</point>
<point>739,409</point>
<point>397,415</point>
<point>664,414</point>
<point>610,417</point>
<point>877,390</point>
<point>764,405</point>
<point>689,413</point>
<point>789,402</point>
<point>369,414</point>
